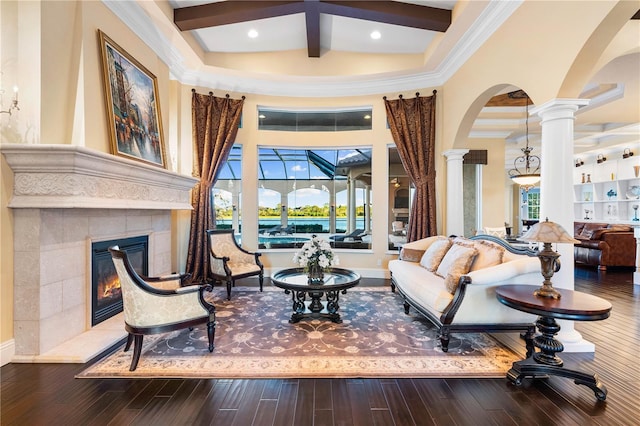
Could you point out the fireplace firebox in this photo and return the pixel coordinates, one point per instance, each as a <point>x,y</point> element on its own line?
<point>106,296</point>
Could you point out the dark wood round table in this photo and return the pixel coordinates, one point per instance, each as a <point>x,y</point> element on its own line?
<point>572,305</point>
<point>295,280</point>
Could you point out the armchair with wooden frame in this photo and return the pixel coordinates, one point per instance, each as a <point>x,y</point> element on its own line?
<point>154,305</point>
<point>229,261</point>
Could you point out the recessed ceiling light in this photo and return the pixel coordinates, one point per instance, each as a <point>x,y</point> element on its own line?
<point>262,116</point>
<point>252,33</point>
<point>376,35</point>
<point>367,117</point>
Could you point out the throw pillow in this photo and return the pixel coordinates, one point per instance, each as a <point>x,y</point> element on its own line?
<point>434,254</point>
<point>451,283</point>
<point>499,232</point>
<point>457,261</point>
<point>411,255</point>
<point>489,253</point>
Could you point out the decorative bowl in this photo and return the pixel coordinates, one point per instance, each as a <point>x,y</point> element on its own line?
<point>633,193</point>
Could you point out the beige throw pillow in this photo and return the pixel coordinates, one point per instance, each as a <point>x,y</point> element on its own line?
<point>456,263</point>
<point>489,253</point>
<point>434,254</point>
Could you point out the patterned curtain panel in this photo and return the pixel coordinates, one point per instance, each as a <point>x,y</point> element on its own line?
<point>412,123</point>
<point>215,125</point>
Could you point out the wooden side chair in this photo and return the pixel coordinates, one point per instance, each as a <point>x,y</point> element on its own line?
<point>230,262</point>
<point>159,305</point>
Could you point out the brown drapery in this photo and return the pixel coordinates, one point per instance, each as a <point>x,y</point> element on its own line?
<point>412,124</point>
<point>215,125</point>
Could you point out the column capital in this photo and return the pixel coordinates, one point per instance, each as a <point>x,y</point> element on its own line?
<point>455,154</point>
<point>559,108</point>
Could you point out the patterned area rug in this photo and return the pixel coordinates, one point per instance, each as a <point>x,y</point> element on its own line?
<point>255,340</point>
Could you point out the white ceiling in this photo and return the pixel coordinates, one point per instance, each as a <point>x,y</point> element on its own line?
<point>596,129</point>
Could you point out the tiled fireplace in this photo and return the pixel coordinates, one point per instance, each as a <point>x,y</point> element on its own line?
<point>65,199</point>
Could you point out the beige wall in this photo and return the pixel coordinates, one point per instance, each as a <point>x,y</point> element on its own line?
<point>67,97</point>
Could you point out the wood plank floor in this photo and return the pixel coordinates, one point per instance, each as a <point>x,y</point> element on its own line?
<point>48,394</point>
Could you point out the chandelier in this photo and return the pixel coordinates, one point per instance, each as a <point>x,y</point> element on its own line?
<point>526,168</point>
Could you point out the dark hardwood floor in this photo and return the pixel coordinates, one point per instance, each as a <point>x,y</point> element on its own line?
<point>48,394</point>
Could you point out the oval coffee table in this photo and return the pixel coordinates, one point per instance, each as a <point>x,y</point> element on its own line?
<point>295,280</point>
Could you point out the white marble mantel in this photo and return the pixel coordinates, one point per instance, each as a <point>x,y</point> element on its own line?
<point>68,176</point>
<point>65,198</point>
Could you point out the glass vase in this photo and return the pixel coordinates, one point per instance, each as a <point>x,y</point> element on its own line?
<point>315,274</point>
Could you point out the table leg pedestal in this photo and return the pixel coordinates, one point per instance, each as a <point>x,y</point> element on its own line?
<point>545,362</point>
<point>531,368</point>
<point>315,307</point>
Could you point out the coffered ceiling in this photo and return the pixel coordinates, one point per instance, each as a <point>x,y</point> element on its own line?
<point>419,46</point>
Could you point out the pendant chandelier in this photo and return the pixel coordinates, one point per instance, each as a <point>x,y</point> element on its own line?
<point>526,168</point>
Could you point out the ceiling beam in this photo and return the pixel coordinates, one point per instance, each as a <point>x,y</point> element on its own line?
<point>387,12</point>
<point>391,12</point>
<point>232,12</point>
<point>312,16</point>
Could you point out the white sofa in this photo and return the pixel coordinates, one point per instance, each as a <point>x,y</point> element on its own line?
<point>472,306</point>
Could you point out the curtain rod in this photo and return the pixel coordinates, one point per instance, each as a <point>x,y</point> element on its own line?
<point>417,95</point>
<point>211,94</point>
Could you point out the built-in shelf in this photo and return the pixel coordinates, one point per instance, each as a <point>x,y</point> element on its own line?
<point>602,192</point>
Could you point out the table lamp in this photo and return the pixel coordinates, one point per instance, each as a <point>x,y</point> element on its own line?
<point>547,233</point>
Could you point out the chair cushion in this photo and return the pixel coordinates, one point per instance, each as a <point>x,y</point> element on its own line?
<point>499,231</point>
<point>435,253</point>
<point>240,268</point>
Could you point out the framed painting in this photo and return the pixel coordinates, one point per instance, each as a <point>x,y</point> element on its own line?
<point>133,109</point>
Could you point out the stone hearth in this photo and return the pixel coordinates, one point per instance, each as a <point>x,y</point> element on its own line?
<point>64,198</point>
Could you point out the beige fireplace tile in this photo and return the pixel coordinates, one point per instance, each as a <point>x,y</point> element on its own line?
<point>137,223</point>
<point>107,225</point>
<point>67,261</point>
<point>50,300</point>
<point>26,304</point>
<point>161,221</point>
<point>74,292</point>
<point>26,270</point>
<point>61,327</point>
<point>75,227</point>
<point>51,230</point>
<point>27,336</point>
<point>26,230</point>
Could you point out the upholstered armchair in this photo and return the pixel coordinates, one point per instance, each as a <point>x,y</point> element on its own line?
<point>159,305</point>
<point>230,262</point>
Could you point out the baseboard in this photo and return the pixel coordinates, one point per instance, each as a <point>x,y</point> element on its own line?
<point>7,351</point>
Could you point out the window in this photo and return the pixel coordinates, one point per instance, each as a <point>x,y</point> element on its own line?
<point>533,204</point>
<point>325,192</point>
<point>227,190</point>
<point>400,195</point>
<point>314,121</point>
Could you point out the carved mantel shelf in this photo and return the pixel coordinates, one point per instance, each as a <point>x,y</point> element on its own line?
<point>67,176</point>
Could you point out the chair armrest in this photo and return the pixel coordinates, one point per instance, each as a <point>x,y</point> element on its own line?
<point>193,288</point>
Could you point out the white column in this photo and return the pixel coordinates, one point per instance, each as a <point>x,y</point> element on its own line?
<point>235,211</point>
<point>351,205</point>
<point>284,214</point>
<point>556,196</point>
<point>367,208</point>
<point>455,211</point>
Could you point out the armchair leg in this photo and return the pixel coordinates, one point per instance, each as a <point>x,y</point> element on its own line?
<point>444,338</point>
<point>211,333</point>
<point>261,279</point>
<point>129,342</point>
<point>229,283</point>
<point>137,350</point>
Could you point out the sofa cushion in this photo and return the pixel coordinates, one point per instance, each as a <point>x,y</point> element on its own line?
<point>489,253</point>
<point>434,254</point>
<point>413,251</point>
<point>587,231</point>
<point>420,285</point>
<point>456,263</point>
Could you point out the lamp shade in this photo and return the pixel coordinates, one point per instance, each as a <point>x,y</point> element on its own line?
<point>526,179</point>
<point>548,232</point>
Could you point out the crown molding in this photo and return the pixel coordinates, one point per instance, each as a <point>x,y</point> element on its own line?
<point>147,25</point>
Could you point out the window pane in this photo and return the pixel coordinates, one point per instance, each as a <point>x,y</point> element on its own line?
<point>399,200</point>
<point>226,192</point>
<point>324,192</point>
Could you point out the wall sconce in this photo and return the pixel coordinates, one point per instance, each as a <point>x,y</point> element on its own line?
<point>234,207</point>
<point>14,101</point>
<point>627,153</point>
<point>284,208</point>
<point>601,159</point>
<point>579,162</point>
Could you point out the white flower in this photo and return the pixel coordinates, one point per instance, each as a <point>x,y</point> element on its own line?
<point>315,252</point>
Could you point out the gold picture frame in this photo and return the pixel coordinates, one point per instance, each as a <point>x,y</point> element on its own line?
<point>133,107</point>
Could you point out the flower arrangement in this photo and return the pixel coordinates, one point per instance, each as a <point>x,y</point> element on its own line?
<point>315,253</point>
